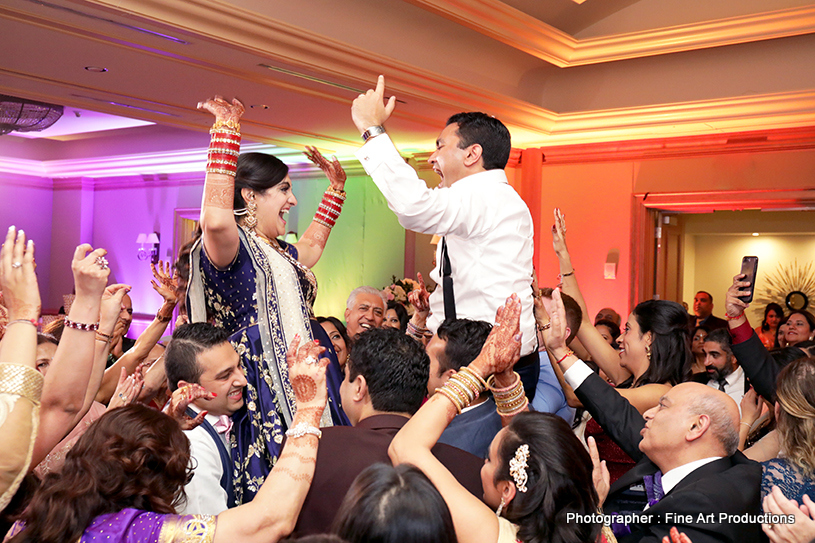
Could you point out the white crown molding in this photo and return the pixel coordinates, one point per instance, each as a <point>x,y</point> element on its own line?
<point>515,28</point>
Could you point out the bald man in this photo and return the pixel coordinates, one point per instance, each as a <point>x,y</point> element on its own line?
<point>690,441</point>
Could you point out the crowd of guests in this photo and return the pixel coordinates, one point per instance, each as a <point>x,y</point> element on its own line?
<point>258,421</point>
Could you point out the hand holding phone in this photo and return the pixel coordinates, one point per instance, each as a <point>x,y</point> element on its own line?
<point>749,266</point>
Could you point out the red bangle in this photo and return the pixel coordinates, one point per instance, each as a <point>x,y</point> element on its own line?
<point>570,353</point>
<point>740,315</point>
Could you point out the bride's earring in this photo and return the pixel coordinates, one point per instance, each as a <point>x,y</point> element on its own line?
<point>500,507</point>
<point>251,219</point>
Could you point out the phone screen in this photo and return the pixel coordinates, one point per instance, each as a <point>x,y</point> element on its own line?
<point>749,266</point>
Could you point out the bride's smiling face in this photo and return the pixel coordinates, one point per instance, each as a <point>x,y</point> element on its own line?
<point>272,206</point>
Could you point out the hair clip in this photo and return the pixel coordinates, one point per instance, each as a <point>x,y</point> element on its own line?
<point>517,467</point>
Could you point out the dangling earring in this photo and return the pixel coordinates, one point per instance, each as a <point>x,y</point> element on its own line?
<point>500,507</point>
<point>251,220</point>
<point>648,351</point>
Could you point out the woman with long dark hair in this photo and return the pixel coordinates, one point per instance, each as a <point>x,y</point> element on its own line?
<point>767,331</point>
<point>259,288</point>
<point>124,478</point>
<point>537,472</point>
<point>654,353</point>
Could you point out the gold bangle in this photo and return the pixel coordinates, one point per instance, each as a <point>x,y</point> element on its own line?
<point>469,382</point>
<point>224,125</point>
<point>469,371</point>
<point>21,381</point>
<point>461,391</point>
<point>450,396</point>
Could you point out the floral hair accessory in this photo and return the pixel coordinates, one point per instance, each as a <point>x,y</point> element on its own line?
<point>517,467</point>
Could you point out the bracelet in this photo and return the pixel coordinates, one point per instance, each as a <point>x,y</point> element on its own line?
<point>748,425</point>
<point>474,374</point>
<point>330,207</point>
<point>570,353</point>
<point>302,429</point>
<point>229,124</point>
<point>444,391</point>
<point>103,337</point>
<point>562,275</point>
<point>21,381</point>
<point>740,315</point>
<point>373,132</point>
<point>162,318</point>
<point>33,322</point>
<point>511,400</point>
<point>417,333</point>
<point>81,326</point>
<point>542,327</point>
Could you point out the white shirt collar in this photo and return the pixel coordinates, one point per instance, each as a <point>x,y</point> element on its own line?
<point>674,476</point>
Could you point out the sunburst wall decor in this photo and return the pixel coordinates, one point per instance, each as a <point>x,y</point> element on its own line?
<point>786,285</point>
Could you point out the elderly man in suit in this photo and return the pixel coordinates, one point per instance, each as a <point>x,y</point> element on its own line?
<point>689,468</point>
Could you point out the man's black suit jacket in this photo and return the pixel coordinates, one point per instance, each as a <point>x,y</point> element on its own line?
<point>346,451</point>
<point>729,485</point>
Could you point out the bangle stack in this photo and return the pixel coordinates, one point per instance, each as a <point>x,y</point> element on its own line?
<point>330,207</point>
<point>417,333</point>
<point>511,400</point>
<point>81,326</point>
<point>463,388</point>
<point>302,429</point>
<point>224,148</point>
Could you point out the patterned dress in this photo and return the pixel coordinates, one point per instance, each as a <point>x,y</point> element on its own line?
<point>262,299</point>
<point>788,477</point>
<point>133,525</point>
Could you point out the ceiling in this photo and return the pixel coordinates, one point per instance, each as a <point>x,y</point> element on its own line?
<point>557,72</point>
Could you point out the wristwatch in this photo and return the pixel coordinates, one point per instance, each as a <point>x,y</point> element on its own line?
<point>373,132</point>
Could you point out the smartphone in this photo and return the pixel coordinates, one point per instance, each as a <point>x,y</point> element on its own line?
<point>749,266</point>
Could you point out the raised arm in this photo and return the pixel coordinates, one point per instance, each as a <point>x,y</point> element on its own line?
<point>474,522</point>
<point>420,299</point>
<point>66,384</point>
<point>167,286</point>
<point>220,232</point>
<point>20,382</point>
<point>273,513</point>
<point>311,245</point>
<point>603,354</point>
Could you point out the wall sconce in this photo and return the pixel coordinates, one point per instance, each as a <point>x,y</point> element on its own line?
<point>151,251</point>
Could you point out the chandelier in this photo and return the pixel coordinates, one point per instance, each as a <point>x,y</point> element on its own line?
<point>21,115</point>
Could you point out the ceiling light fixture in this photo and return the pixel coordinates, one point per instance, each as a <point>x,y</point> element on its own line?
<point>22,115</point>
<point>259,106</point>
<point>96,69</point>
<point>755,234</point>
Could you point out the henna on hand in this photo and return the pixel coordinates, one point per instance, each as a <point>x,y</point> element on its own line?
<point>219,193</point>
<point>305,389</point>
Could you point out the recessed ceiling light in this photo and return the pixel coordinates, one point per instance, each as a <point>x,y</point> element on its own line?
<point>755,234</point>
<point>96,69</point>
<point>259,106</point>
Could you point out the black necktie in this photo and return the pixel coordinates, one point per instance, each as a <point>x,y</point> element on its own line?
<point>447,283</point>
<point>722,382</point>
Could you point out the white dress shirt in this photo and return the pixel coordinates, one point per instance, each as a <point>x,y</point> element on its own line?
<point>488,229</point>
<point>733,387</point>
<point>205,495</point>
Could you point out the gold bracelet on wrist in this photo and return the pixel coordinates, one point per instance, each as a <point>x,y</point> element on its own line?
<point>226,125</point>
<point>21,381</point>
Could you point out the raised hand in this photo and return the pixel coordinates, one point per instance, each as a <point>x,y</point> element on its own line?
<point>503,346</point>
<point>112,306</point>
<point>733,306</point>
<point>223,110</point>
<point>181,399</point>
<point>558,329</point>
<point>333,170</point>
<point>91,271</point>
<point>128,389</point>
<point>370,109</point>
<point>167,285</point>
<point>17,278</point>
<point>801,530</point>
<point>751,407</point>
<point>599,473</point>
<point>419,298</point>
<point>307,374</point>
<point>559,232</point>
